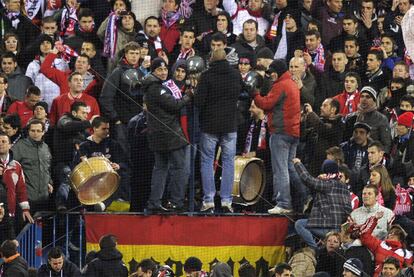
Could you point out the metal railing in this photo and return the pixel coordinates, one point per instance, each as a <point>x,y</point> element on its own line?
<point>30,243</point>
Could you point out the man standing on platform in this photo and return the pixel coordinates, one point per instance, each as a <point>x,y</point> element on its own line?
<point>282,105</point>
<point>218,123</point>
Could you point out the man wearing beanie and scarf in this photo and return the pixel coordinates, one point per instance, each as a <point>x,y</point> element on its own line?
<point>109,260</point>
<point>331,205</point>
<point>402,153</point>
<point>165,138</point>
<point>367,113</point>
<point>282,106</point>
<point>353,267</point>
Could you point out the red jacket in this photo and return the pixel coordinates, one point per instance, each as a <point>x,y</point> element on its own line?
<point>170,36</point>
<point>384,248</point>
<point>25,113</point>
<point>62,103</point>
<point>282,106</point>
<point>13,180</point>
<point>354,101</point>
<point>60,78</point>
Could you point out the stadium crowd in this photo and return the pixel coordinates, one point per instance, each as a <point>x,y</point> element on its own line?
<point>320,90</point>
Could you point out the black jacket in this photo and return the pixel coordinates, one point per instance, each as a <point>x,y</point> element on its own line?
<point>108,264</point>
<point>16,268</point>
<point>217,94</point>
<point>117,97</point>
<point>242,46</point>
<point>75,41</point>
<point>331,84</point>
<point>164,129</point>
<point>69,269</point>
<point>6,224</point>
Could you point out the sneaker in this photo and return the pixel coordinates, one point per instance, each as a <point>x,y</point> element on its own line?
<point>174,208</point>
<point>99,207</point>
<point>227,208</point>
<point>278,210</point>
<point>61,208</point>
<point>207,207</point>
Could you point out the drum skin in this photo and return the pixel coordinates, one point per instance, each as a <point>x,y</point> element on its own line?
<point>94,180</point>
<point>249,180</point>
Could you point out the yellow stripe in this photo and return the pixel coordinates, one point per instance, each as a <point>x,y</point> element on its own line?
<point>162,253</point>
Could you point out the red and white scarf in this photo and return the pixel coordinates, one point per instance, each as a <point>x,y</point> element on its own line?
<point>349,102</point>
<point>110,39</point>
<point>319,60</point>
<point>261,145</point>
<point>272,33</point>
<point>33,7</point>
<point>68,21</point>
<point>185,54</point>
<point>175,90</point>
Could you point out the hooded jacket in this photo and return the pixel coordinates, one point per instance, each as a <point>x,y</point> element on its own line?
<point>69,269</point>
<point>242,46</point>
<point>107,264</point>
<point>16,266</point>
<point>164,130</point>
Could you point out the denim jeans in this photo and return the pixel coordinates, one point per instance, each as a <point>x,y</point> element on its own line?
<point>208,143</point>
<point>307,234</point>
<point>173,164</point>
<point>283,150</point>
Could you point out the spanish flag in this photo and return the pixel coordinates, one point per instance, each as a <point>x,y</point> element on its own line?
<point>172,239</point>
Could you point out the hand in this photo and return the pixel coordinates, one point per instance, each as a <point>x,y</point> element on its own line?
<point>298,54</point>
<point>395,4</point>
<point>162,55</point>
<point>115,166</point>
<point>308,59</point>
<point>59,46</point>
<point>296,160</point>
<point>379,215</point>
<point>27,217</point>
<point>298,81</point>
<point>307,108</point>
<point>398,20</point>
<point>384,52</point>
<point>146,64</point>
<point>367,20</point>
<point>2,213</point>
<point>50,188</point>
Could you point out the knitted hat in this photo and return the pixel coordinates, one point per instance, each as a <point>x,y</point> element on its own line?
<point>246,58</point>
<point>362,125</point>
<point>181,63</point>
<point>107,241</point>
<point>157,62</point>
<point>406,119</point>
<point>296,15</point>
<point>192,264</point>
<point>371,91</point>
<point>143,43</point>
<point>354,265</point>
<point>42,104</point>
<point>330,167</point>
<point>264,53</point>
<point>278,66</point>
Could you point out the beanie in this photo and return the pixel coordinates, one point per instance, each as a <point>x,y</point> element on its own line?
<point>354,265</point>
<point>157,62</point>
<point>406,119</point>
<point>41,104</point>
<point>362,125</point>
<point>371,91</point>
<point>330,167</point>
<point>278,66</point>
<point>107,241</point>
<point>192,264</point>
<point>264,53</point>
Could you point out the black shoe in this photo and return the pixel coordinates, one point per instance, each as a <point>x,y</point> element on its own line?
<point>61,209</point>
<point>158,210</point>
<point>227,209</point>
<point>174,208</point>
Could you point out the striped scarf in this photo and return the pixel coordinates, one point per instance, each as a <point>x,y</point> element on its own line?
<point>110,39</point>
<point>319,59</point>
<point>68,21</point>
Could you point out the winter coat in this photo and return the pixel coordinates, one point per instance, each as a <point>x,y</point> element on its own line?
<point>402,156</point>
<point>107,264</point>
<point>26,30</point>
<point>330,85</point>
<point>243,47</point>
<point>331,24</point>
<point>303,263</point>
<point>164,130</point>
<point>35,159</point>
<point>6,224</point>
<point>16,266</point>
<point>217,100</point>
<point>356,156</point>
<point>75,42</point>
<point>117,105</point>
<point>330,262</point>
<point>307,92</point>
<point>17,84</point>
<point>282,105</point>
<point>69,269</point>
<point>331,203</point>
<point>342,97</point>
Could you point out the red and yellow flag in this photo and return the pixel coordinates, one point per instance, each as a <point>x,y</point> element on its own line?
<point>172,239</point>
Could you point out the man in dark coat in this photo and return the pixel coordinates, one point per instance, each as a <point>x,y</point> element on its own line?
<point>166,138</point>
<point>109,260</point>
<point>14,265</point>
<point>58,266</point>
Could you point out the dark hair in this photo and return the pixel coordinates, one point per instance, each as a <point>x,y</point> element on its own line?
<point>377,144</point>
<point>218,36</point>
<point>8,55</point>
<point>85,12</point>
<point>398,81</point>
<point>251,21</point>
<point>390,36</point>
<point>229,21</point>
<point>280,267</point>
<point>35,121</point>
<point>337,153</point>
<point>335,104</point>
<point>351,38</point>
<point>74,73</point>
<point>313,33</point>
<point>338,51</point>
<point>149,18</point>
<point>48,19</point>
<point>33,90</point>
<point>247,270</point>
<point>86,57</point>
<point>354,75</point>
<point>3,134</point>
<point>127,4</point>
<point>406,98</point>
<point>55,253</point>
<point>4,76</point>
<point>146,265</point>
<point>374,187</point>
<point>314,22</point>
<point>14,120</point>
<point>9,35</point>
<point>131,46</point>
<point>97,121</point>
<point>8,247</point>
<point>377,53</point>
<point>403,64</point>
<point>76,105</point>
<point>345,171</point>
<point>350,17</point>
<point>392,260</point>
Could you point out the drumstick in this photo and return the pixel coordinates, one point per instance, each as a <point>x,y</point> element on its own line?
<point>217,160</point>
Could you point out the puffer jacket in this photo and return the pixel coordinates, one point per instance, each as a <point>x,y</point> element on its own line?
<point>303,262</point>
<point>107,264</point>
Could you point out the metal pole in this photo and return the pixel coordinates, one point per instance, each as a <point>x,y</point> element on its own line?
<point>54,231</point>
<point>67,235</point>
<point>80,240</point>
<point>192,163</point>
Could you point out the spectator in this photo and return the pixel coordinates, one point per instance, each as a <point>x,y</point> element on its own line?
<point>314,52</point>
<point>219,41</point>
<point>330,258</point>
<point>193,267</point>
<point>4,97</point>
<point>356,61</point>
<point>389,48</point>
<point>295,38</point>
<point>89,49</point>
<point>151,35</point>
<point>146,268</point>
<point>40,113</point>
<point>349,98</point>
<point>386,191</point>
<point>393,18</point>
<point>371,207</point>
<point>185,48</point>
<point>12,127</point>
<point>249,41</point>
<point>11,43</point>
<point>57,265</point>
<point>284,129</point>
<point>304,80</point>
<point>331,20</point>
<point>25,108</point>
<point>353,267</point>
<point>356,148</point>
<point>34,156</point>
<point>247,270</point>
<point>331,205</point>
<point>205,18</point>
<point>218,123</point>
<point>109,260</point>
<point>17,82</point>
<point>374,75</point>
<point>13,265</point>
<point>282,270</point>
<point>391,268</point>
<point>368,21</point>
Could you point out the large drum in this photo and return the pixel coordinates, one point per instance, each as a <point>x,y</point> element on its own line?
<point>94,180</point>
<point>249,180</point>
